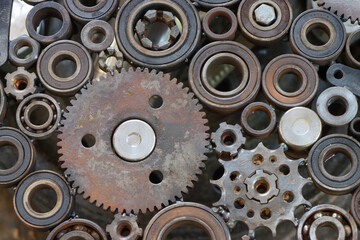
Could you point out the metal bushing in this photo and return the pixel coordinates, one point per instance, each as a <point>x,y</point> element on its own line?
<point>3,103</point>
<point>30,186</point>
<point>218,54</point>
<point>251,109</point>
<point>320,53</point>
<point>41,12</point>
<point>300,128</point>
<point>38,116</point>
<point>327,148</point>
<point>330,216</point>
<point>215,3</point>
<point>17,44</point>
<point>97,35</point>
<point>77,228</point>
<point>56,53</point>
<point>351,53</point>
<point>354,128</point>
<point>26,156</point>
<point>290,64</point>
<point>223,13</point>
<point>20,83</point>
<point>34,2</point>
<point>124,227</point>
<point>337,106</point>
<point>264,21</point>
<point>185,214</point>
<point>355,206</point>
<point>86,11</point>
<point>138,53</point>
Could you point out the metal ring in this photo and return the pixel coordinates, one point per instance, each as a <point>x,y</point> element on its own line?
<point>354,128</point>
<point>216,3</point>
<point>91,29</point>
<point>349,57</point>
<point>17,44</point>
<point>220,12</point>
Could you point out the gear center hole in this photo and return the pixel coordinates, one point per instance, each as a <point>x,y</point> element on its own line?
<point>20,83</point>
<point>228,138</point>
<point>262,186</point>
<point>124,230</point>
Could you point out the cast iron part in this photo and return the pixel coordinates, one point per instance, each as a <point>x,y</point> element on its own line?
<point>215,3</point>
<point>26,156</point>
<point>5,20</point>
<point>54,54</point>
<point>17,44</point>
<point>31,185</point>
<point>20,83</point>
<point>214,55</point>
<point>327,148</point>
<point>40,13</point>
<point>77,228</point>
<point>3,103</point>
<point>166,60</point>
<point>124,224</point>
<point>94,29</point>
<point>94,10</point>
<point>344,76</point>
<point>184,214</point>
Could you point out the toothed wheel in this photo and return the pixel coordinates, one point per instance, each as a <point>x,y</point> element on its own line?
<point>349,9</point>
<point>133,141</point>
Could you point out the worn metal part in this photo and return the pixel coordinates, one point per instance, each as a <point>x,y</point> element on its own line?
<point>281,66</point>
<point>346,10</point>
<point>43,11</point>
<point>261,187</point>
<point>327,215</point>
<point>228,139</point>
<point>3,103</point>
<point>77,228</point>
<point>34,2</point>
<point>185,214</point>
<point>343,76</point>
<point>86,11</point>
<point>352,50</point>
<point>251,109</point>
<point>324,150</point>
<point>20,83</point>
<point>337,106</point>
<point>103,60</point>
<point>322,52</point>
<point>166,60</point>
<point>124,227</point>
<point>97,35</point>
<point>355,206</point>
<point>214,55</point>
<point>215,3</point>
<point>30,186</point>
<point>5,20</point>
<point>300,128</point>
<point>46,123</point>
<point>155,181</point>
<point>26,156</point>
<point>265,21</point>
<point>354,128</point>
<point>220,12</point>
<point>15,47</point>
<point>66,82</point>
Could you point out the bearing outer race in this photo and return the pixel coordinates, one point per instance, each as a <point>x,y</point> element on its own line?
<point>177,55</point>
<point>231,103</point>
<point>23,41</point>
<point>28,161</point>
<point>305,97</point>
<point>320,57</point>
<point>355,206</point>
<point>325,184</point>
<point>84,75</point>
<point>59,216</point>
<point>43,8</point>
<point>226,13</point>
<point>216,3</point>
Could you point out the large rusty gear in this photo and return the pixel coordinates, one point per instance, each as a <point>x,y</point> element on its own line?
<point>108,179</point>
<point>349,9</point>
<point>261,187</point>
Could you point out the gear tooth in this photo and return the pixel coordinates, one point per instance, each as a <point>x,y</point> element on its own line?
<point>153,71</point>
<point>130,70</point>
<point>180,85</point>
<point>138,69</point>
<point>146,70</point>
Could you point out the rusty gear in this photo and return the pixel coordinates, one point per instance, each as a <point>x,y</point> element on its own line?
<point>349,9</point>
<point>124,223</point>
<point>261,187</point>
<point>20,83</point>
<point>149,182</point>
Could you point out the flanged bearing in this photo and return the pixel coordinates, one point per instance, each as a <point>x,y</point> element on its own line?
<point>319,165</point>
<point>172,55</point>
<point>30,186</point>
<point>77,228</point>
<point>3,103</point>
<point>337,106</point>
<point>283,94</point>
<point>351,56</point>
<point>263,107</point>
<point>86,11</point>
<point>216,13</point>
<point>38,115</point>
<point>213,57</point>
<point>26,158</point>
<point>327,215</point>
<point>42,11</point>
<point>17,44</point>
<point>124,227</point>
<point>215,3</point>
<point>65,83</point>
<point>264,21</point>
<point>20,83</point>
<point>97,35</point>
<point>186,213</point>
<point>320,52</point>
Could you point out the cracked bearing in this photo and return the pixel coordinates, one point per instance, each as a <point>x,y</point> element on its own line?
<point>138,146</point>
